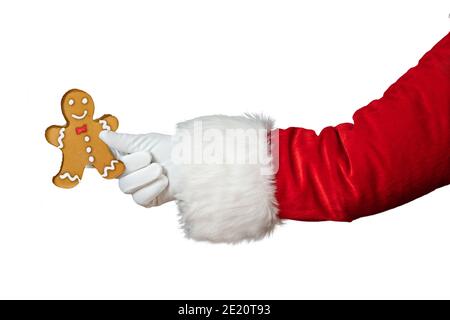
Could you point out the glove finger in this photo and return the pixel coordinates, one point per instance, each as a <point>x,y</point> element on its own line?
<point>140,178</point>
<point>146,196</point>
<point>135,161</point>
<point>118,155</point>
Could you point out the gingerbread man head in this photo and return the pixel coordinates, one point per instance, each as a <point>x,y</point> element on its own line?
<point>77,106</point>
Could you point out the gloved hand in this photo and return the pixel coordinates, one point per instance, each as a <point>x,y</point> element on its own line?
<point>220,197</point>
<point>147,158</point>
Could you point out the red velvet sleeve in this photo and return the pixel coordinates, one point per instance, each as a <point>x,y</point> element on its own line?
<point>397,149</point>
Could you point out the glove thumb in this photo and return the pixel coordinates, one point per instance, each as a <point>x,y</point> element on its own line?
<point>126,143</point>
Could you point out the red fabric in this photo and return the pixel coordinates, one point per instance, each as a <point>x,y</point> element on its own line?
<point>398,149</point>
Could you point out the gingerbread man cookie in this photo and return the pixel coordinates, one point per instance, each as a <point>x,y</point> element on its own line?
<point>79,140</point>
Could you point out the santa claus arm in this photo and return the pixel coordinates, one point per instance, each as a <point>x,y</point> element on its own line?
<point>398,149</point>
<point>108,122</point>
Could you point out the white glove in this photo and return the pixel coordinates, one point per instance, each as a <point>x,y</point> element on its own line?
<point>147,159</point>
<point>218,200</point>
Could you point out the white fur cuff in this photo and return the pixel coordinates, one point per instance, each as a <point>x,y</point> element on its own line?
<point>227,191</point>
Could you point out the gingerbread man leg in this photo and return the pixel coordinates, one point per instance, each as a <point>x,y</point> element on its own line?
<point>105,163</point>
<point>110,168</point>
<point>70,173</point>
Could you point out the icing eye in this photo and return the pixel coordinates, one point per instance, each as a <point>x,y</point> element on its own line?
<point>84,100</point>
<point>71,102</point>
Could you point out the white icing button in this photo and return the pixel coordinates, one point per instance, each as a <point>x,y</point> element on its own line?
<point>88,149</point>
<point>87,138</point>
<point>91,159</point>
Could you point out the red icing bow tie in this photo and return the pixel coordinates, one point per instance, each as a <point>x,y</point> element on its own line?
<point>81,129</point>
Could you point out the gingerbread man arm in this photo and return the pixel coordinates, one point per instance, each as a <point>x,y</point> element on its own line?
<point>55,135</point>
<point>108,122</point>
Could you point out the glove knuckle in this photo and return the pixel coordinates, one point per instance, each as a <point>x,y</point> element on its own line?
<point>123,186</point>
<point>142,201</point>
<point>156,169</point>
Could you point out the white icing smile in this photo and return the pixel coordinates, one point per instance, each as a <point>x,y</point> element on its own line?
<point>80,117</point>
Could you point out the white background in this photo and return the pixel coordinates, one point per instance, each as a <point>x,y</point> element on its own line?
<point>154,63</point>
